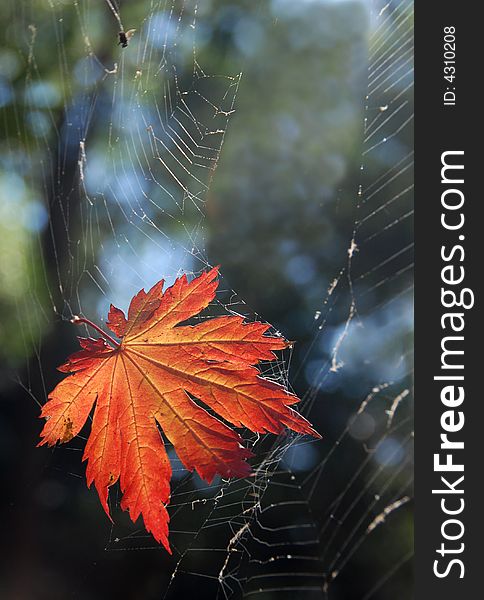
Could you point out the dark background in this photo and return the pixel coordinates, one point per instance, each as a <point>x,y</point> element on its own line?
<point>317,154</point>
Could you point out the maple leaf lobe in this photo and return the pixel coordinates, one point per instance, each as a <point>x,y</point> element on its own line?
<point>116,322</point>
<point>155,376</point>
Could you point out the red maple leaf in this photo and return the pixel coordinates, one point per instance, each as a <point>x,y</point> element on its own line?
<point>153,375</point>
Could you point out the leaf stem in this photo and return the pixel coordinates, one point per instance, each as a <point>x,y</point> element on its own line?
<point>78,320</point>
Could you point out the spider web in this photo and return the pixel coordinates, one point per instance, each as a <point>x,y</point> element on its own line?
<point>128,175</point>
